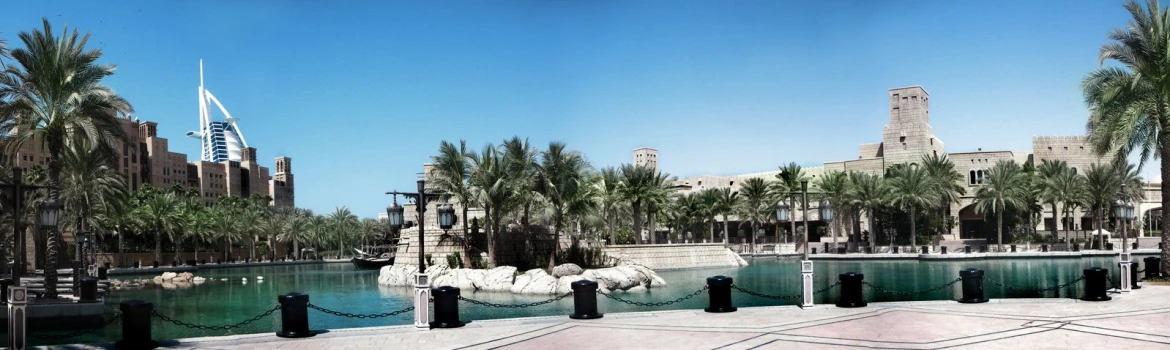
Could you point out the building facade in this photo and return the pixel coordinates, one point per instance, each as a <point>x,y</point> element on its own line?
<point>908,137</point>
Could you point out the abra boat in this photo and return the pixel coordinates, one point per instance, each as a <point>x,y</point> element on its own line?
<point>373,258</point>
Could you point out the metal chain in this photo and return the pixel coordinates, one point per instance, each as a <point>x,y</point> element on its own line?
<point>77,333</point>
<point>1037,290</point>
<point>349,315</point>
<point>515,306</point>
<point>887,291</point>
<point>215,328</point>
<point>762,295</point>
<point>660,303</point>
<point>828,288</point>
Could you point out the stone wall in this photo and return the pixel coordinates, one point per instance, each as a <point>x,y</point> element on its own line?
<point>668,257</point>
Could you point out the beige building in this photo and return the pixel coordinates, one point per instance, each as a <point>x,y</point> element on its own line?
<point>908,137</point>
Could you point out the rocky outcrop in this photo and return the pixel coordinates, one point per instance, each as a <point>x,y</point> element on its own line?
<point>630,278</point>
<point>566,270</point>
<point>167,280</point>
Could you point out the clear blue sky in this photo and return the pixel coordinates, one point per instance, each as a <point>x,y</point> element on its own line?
<point>359,93</point>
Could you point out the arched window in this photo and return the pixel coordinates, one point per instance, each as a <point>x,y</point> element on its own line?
<point>980,173</point>
<point>972,177</point>
<point>1074,171</point>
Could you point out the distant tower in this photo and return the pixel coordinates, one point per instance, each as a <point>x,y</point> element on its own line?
<point>222,140</point>
<point>646,157</point>
<point>909,135</point>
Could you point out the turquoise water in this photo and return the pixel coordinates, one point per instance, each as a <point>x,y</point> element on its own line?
<point>341,287</point>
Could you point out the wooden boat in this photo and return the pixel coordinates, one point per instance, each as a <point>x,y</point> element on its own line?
<point>375,257</point>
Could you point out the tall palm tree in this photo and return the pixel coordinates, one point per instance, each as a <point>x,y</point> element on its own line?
<point>298,225</point>
<point>870,193</point>
<point>1102,184</point>
<point>638,186</point>
<point>726,202</point>
<point>661,192</point>
<point>835,188</point>
<point>491,191</point>
<point>910,189</point>
<point>789,179</point>
<point>158,212</point>
<point>608,185</point>
<point>451,175</point>
<point>707,209</point>
<point>1004,188</point>
<point>560,176</point>
<point>89,182</point>
<point>345,223</point>
<point>116,214</point>
<point>1049,171</point>
<point>948,185</point>
<point>55,95</point>
<point>520,159</point>
<point>757,203</point>
<point>1129,103</point>
<point>1069,188</point>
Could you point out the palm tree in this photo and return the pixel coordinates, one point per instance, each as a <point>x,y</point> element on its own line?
<point>636,189</point>
<point>870,193</point>
<point>491,191</point>
<point>1069,189</point>
<point>89,183</point>
<point>1102,184</point>
<point>117,213</point>
<point>726,201</point>
<point>560,176</point>
<point>1049,171</point>
<point>911,188</point>
<point>451,175</point>
<point>661,191</point>
<point>757,203</point>
<point>789,179</point>
<point>298,225</point>
<point>835,188</point>
<point>520,159</point>
<point>344,223</point>
<point>158,212</point>
<point>609,196</point>
<point>1129,103</point>
<point>55,95</point>
<point>1004,188</point>
<point>707,202</point>
<point>947,182</point>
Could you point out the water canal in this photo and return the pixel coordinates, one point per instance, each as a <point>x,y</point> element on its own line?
<point>341,287</point>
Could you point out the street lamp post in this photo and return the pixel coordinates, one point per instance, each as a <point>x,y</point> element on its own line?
<point>422,292</point>
<point>1123,210</point>
<point>783,213</point>
<point>49,212</point>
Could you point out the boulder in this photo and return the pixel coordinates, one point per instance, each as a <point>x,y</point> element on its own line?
<point>563,270</point>
<point>169,275</point>
<point>541,283</point>
<point>185,276</point>
<point>198,280</point>
<point>565,284</point>
<point>158,280</point>
<point>397,275</point>
<point>520,282</point>
<point>498,279</point>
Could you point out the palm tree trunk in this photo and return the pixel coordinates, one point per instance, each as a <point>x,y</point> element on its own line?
<point>872,231</point>
<point>752,246</point>
<point>252,247</point>
<point>609,221</point>
<point>121,251</point>
<point>712,227</point>
<point>651,224</point>
<point>552,256</point>
<point>158,244</point>
<point>1100,230</point>
<point>999,230</point>
<point>1055,221</point>
<point>297,248</point>
<point>725,232</point>
<point>792,218</point>
<point>1164,134</point>
<point>913,229</point>
<point>637,218</point>
<point>491,236</point>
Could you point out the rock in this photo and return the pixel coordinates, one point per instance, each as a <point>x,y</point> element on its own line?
<point>540,283</point>
<point>169,285</point>
<point>158,280</point>
<point>563,270</point>
<point>397,275</point>
<point>169,275</point>
<point>223,279</point>
<point>519,283</point>
<point>565,284</point>
<point>198,280</point>
<point>259,277</point>
<point>186,276</point>
<point>498,279</point>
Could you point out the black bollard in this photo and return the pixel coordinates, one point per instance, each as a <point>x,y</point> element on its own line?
<point>174,263</point>
<point>1044,248</point>
<point>103,273</point>
<point>719,294</point>
<point>155,264</point>
<point>841,250</point>
<point>826,248</point>
<point>983,248</point>
<point>88,289</point>
<point>584,300</point>
<point>1076,247</point>
<point>1109,246</point>
<point>925,250</point>
<point>851,290</point>
<point>1134,245</point>
<point>1013,248</point>
<point>814,250</point>
<point>894,250</point>
<point>943,249</point>
<point>967,249</point>
<point>1133,277</point>
<point>4,284</point>
<point>136,325</point>
<point>972,286</point>
<point>1153,267</point>
<point>137,264</point>
<point>869,250</point>
<point>446,307</point>
<point>294,316</point>
<point>1095,289</point>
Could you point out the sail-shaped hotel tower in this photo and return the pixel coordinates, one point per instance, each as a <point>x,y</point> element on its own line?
<point>222,140</point>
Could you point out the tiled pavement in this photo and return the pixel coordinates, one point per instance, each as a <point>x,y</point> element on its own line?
<point>1136,320</point>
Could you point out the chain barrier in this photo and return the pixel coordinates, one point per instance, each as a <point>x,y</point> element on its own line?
<point>77,333</point>
<point>896,292</point>
<point>1036,290</point>
<point>762,295</point>
<point>660,303</point>
<point>214,328</point>
<point>349,315</point>
<point>515,306</point>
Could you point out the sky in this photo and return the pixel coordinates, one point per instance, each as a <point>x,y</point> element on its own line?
<point>360,93</point>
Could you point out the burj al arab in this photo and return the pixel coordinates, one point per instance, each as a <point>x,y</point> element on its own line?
<point>222,140</point>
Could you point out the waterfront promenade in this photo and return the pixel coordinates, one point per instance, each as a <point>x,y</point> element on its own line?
<point>1134,320</point>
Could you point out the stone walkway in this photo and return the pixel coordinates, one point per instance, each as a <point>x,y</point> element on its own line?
<point>1135,320</point>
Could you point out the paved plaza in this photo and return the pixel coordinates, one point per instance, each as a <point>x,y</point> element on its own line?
<point>1136,320</point>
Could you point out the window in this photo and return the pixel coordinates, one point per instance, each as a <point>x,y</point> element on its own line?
<point>980,174</point>
<point>1049,148</point>
<point>731,183</point>
<point>1074,171</point>
<point>972,177</point>
<point>902,139</point>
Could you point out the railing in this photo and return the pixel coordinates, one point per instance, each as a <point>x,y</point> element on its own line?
<point>136,315</point>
